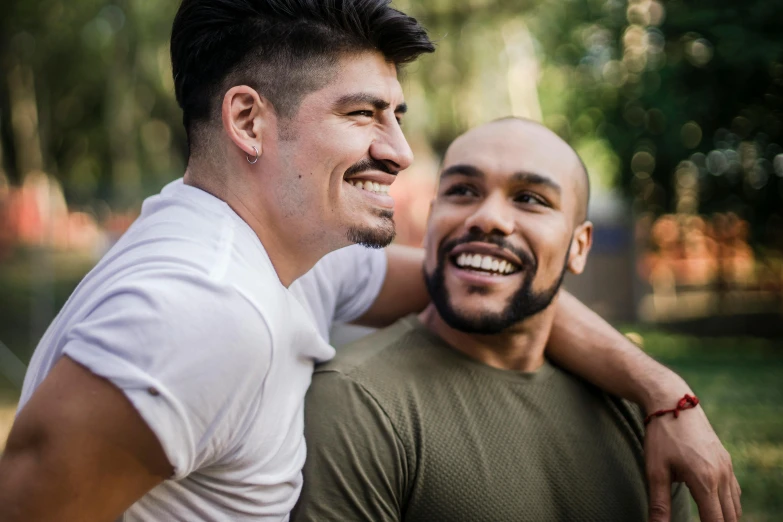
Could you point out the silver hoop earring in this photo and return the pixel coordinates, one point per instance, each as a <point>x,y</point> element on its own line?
<point>256,158</point>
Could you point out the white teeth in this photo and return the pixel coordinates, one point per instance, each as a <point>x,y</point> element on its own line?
<point>371,186</point>
<point>486,263</point>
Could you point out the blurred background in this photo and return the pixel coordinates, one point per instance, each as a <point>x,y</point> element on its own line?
<point>676,108</point>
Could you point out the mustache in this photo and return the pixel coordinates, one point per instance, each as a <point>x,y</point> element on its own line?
<point>369,164</point>
<point>494,239</point>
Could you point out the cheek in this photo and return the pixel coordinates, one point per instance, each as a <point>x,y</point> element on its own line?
<point>326,149</point>
<point>439,229</point>
<point>551,243</point>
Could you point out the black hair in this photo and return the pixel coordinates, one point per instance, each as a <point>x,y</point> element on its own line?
<point>281,48</point>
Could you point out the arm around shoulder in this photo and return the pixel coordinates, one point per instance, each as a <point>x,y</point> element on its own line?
<point>403,291</point>
<point>687,447</point>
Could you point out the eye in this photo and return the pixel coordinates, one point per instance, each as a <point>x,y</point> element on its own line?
<point>363,113</point>
<point>460,191</point>
<point>526,198</point>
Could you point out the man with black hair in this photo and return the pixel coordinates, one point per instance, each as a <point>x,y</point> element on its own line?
<point>171,385</point>
<point>456,414</point>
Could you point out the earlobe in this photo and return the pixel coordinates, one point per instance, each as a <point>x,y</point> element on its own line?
<point>255,159</point>
<point>244,115</point>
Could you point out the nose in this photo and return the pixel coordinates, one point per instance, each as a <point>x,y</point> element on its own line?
<point>392,148</point>
<point>493,216</point>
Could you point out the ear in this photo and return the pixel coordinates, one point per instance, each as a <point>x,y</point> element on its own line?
<point>580,247</point>
<point>245,116</point>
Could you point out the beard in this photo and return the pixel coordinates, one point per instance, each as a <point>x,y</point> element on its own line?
<point>382,235</point>
<point>375,237</point>
<point>523,303</point>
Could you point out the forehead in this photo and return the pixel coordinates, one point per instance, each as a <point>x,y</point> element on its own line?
<point>366,73</point>
<point>501,149</point>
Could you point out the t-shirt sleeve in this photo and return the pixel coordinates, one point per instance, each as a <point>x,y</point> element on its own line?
<point>355,467</point>
<point>360,272</point>
<point>190,356</point>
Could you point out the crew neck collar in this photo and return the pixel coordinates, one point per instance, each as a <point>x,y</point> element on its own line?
<point>538,375</point>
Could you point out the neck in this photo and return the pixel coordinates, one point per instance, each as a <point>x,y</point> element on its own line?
<point>292,254</point>
<point>520,348</point>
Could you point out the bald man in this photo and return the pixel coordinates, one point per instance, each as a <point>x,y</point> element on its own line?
<point>455,414</point>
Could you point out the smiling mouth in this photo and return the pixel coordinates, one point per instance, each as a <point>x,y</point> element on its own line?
<point>370,186</point>
<point>484,264</point>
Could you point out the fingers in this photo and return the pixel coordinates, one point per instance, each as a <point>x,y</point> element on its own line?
<point>708,502</point>
<point>727,502</point>
<point>660,495</point>
<point>736,493</point>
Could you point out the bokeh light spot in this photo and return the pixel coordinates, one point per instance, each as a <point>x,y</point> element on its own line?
<point>691,135</point>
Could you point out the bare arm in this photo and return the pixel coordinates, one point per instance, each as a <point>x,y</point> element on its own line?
<point>581,340</point>
<point>685,449</point>
<point>403,291</point>
<point>587,345</point>
<point>78,451</point>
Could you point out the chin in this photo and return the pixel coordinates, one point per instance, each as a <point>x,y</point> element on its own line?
<point>473,313</point>
<point>378,236</point>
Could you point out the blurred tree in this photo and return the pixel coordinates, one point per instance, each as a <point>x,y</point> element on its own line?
<point>677,103</point>
<point>680,104</point>
<point>698,121</point>
<point>98,75</point>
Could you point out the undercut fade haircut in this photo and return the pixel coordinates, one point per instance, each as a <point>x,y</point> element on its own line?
<point>284,49</point>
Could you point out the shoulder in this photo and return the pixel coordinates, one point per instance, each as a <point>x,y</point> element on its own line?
<point>176,312</point>
<point>389,371</point>
<point>344,283</point>
<point>375,352</point>
<point>571,389</point>
<point>186,229</point>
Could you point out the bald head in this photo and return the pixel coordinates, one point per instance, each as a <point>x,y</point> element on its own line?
<point>517,145</point>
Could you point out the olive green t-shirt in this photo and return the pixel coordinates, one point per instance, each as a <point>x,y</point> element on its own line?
<point>400,426</point>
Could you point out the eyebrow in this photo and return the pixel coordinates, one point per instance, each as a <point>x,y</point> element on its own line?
<point>528,178</point>
<point>462,170</point>
<point>531,178</point>
<point>378,104</point>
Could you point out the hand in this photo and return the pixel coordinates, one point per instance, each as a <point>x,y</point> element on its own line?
<point>687,450</point>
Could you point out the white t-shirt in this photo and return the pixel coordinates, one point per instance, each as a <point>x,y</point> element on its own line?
<point>186,315</point>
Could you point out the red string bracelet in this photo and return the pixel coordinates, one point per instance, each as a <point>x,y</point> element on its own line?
<point>686,403</point>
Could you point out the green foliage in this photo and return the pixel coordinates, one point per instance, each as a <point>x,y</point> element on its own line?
<point>107,118</point>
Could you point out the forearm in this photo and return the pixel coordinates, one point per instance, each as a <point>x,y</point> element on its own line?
<point>683,449</point>
<point>585,344</point>
<point>403,291</point>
